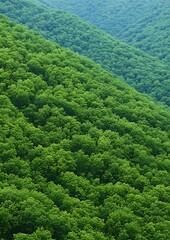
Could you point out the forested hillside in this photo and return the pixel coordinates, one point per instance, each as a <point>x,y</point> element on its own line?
<point>138,69</point>
<point>142,23</point>
<point>83,155</point>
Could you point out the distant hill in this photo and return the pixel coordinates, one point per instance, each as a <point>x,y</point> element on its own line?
<point>143,23</point>
<point>83,155</point>
<point>147,74</point>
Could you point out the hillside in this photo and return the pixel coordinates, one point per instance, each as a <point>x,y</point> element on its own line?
<point>137,68</point>
<point>83,155</point>
<point>142,23</point>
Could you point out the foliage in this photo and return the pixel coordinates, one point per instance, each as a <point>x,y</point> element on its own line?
<point>143,23</point>
<point>83,155</point>
<point>138,69</point>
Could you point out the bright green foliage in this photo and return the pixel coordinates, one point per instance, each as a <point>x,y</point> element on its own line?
<point>142,23</point>
<point>138,69</point>
<point>83,155</point>
<point>40,234</point>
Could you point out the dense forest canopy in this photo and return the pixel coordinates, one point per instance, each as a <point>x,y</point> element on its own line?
<point>83,155</point>
<point>145,73</point>
<point>142,23</point>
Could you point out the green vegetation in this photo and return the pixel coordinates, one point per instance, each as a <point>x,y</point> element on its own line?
<point>142,23</point>
<point>83,155</point>
<point>151,33</point>
<point>138,69</point>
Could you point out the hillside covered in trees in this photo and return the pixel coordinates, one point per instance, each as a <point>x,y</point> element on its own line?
<point>145,73</point>
<point>142,23</point>
<point>83,155</point>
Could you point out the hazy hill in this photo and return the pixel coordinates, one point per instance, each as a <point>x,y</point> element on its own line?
<point>83,155</point>
<point>145,73</point>
<point>143,23</point>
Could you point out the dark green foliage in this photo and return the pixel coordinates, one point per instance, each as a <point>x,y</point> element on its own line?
<point>135,67</point>
<point>142,23</point>
<point>83,155</point>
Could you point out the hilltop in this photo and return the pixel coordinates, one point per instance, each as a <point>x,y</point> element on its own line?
<point>143,72</point>
<point>143,23</point>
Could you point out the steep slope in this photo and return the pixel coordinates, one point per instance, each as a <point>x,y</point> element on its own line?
<point>83,155</point>
<point>135,67</point>
<point>151,33</point>
<point>142,23</point>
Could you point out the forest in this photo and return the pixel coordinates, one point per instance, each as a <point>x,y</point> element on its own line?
<point>142,23</point>
<point>84,155</point>
<point>115,56</point>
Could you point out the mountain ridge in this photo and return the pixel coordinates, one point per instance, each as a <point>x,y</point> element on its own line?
<point>143,24</point>
<point>113,55</point>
